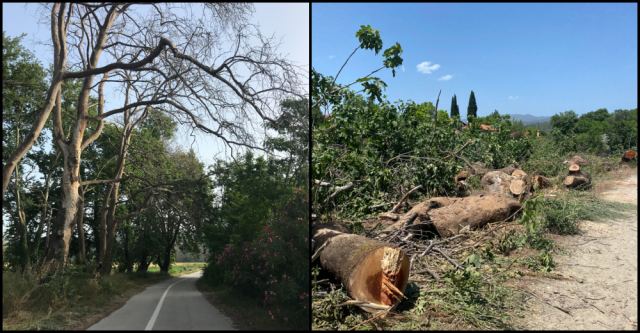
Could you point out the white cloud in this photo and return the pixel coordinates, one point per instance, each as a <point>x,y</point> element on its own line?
<point>331,57</point>
<point>402,68</point>
<point>513,98</point>
<point>426,67</point>
<point>446,77</point>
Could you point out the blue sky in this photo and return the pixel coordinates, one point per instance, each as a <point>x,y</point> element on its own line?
<point>293,32</point>
<point>539,59</point>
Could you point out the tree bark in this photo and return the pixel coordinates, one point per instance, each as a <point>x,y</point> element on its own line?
<point>72,149</point>
<point>82,252</point>
<point>44,219</point>
<point>579,180</point>
<point>473,211</point>
<point>58,251</point>
<point>25,260</point>
<point>540,182</point>
<point>114,193</point>
<point>372,271</point>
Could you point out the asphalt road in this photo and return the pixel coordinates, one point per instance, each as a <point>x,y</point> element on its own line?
<point>174,304</point>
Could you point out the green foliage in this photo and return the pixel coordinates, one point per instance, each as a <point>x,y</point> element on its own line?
<point>386,149</point>
<point>598,132</point>
<point>392,57</point>
<point>472,108</point>
<point>369,38</point>
<point>23,92</point>
<point>258,232</point>
<point>546,158</point>
<point>455,111</point>
<point>328,314</point>
<point>509,242</point>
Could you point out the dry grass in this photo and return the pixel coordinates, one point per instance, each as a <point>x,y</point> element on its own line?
<point>75,300</point>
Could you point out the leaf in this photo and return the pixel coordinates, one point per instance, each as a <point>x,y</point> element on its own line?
<point>369,38</point>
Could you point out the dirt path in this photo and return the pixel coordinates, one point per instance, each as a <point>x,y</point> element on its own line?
<point>600,266</point>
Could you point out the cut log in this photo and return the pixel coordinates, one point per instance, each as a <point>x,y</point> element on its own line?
<point>497,182</point>
<point>388,216</point>
<point>518,173</point>
<point>372,271</point>
<point>577,181</point>
<point>629,155</point>
<point>517,187</point>
<point>574,167</point>
<point>420,211</point>
<point>540,182</point>
<point>474,211</point>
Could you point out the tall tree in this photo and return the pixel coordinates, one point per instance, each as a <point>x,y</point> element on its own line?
<point>472,109</point>
<point>177,61</point>
<point>23,88</point>
<point>455,111</point>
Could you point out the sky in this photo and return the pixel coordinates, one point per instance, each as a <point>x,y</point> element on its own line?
<point>538,59</point>
<point>288,22</point>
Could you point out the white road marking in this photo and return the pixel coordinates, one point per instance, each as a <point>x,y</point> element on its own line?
<point>153,318</point>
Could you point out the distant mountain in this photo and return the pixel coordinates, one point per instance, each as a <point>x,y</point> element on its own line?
<point>528,119</point>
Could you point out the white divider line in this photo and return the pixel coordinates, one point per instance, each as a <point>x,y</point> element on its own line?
<point>153,318</point>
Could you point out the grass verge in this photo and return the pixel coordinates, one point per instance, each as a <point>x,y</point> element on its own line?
<point>180,268</point>
<point>76,299</point>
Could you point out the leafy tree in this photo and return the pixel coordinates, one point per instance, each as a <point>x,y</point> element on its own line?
<point>564,122</point>
<point>455,111</point>
<point>325,90</point>
<point>472,108</point>
<point>23,89</point>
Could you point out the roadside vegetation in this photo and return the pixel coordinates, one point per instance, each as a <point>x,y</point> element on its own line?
<point>99,192</point>
<point>73,300</point>
<point>259,239</point>
<point>369,152</point>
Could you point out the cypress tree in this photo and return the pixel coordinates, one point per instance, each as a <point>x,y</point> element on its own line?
<point>455,111</point>
<point>472,109</point>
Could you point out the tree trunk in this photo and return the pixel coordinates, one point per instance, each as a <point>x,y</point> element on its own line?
<point>540,182</point>
<point>500,183</point>
<point>82,252</point>
<point>25,260</point>
<point>102,228</point>
<point>62,228</point>
<point>577,181</point>
<point>46,240</point>
<point>44,220</point>
<point>372,271</point>
<point>111,223</point>
<point>165,262</point>
<point>473,211</point>
<point>449,215</point>
<point>128,263</point>
<point>144,264</point>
